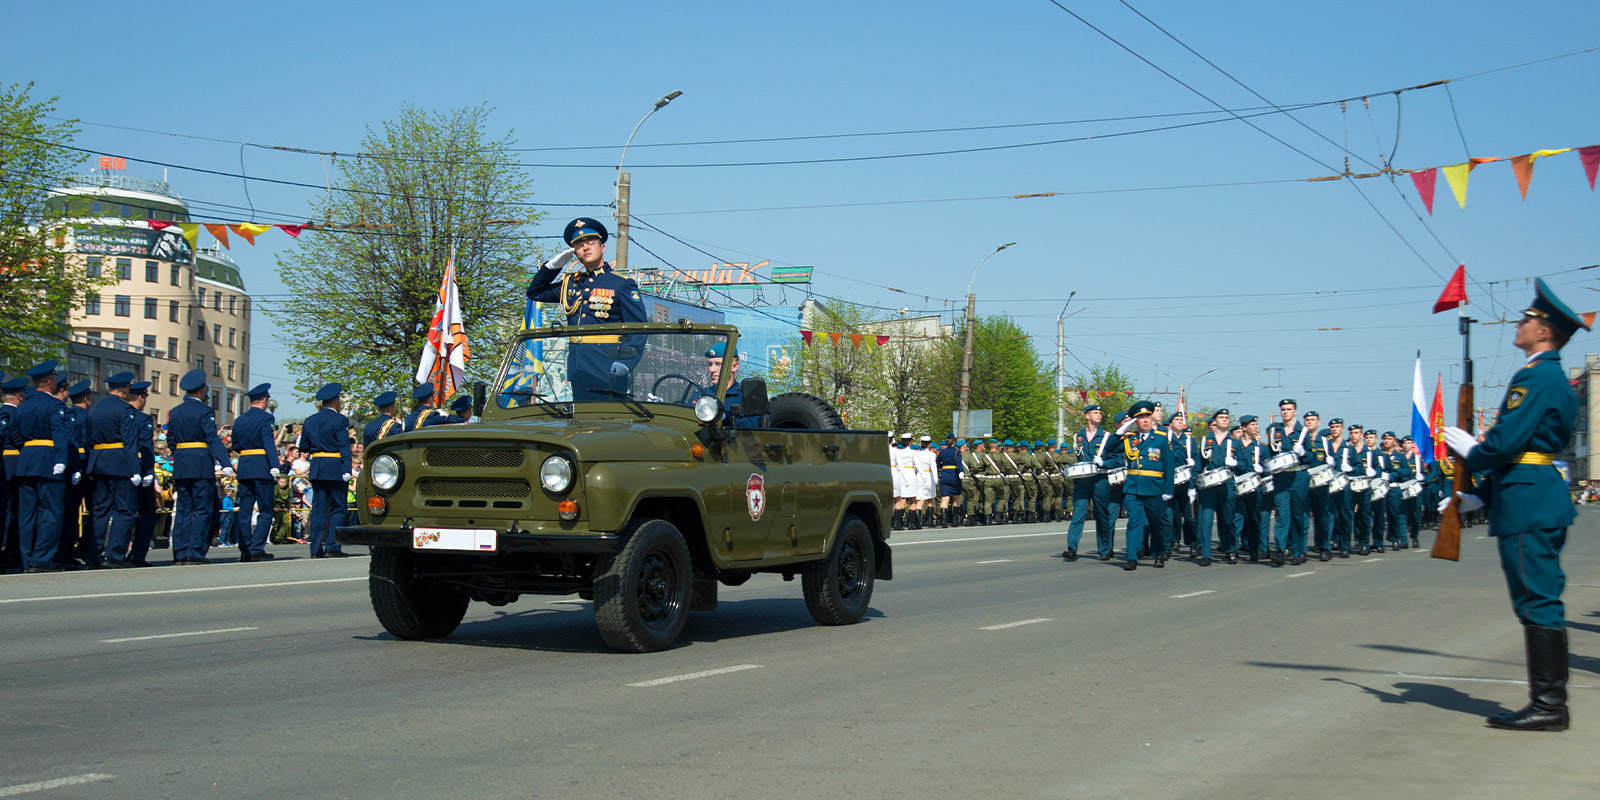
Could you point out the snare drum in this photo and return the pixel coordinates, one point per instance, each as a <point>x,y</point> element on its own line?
<point>1213,477</point>
<point>1379,488</point>
<point>1359,484</point>
<point>1247,483</point>
<point>1282,462</point>
<point>1180,476</point>
<point>1321,475</point>
<point>1116,476</point>
<point>1339,484</point>
<point>1411,489</point>
<point>1083,469</point>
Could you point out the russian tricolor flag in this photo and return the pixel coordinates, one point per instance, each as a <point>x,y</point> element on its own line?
<point>1420,432</point>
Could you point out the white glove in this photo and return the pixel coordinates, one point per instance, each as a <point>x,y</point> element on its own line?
<point>136,480</point>
<point>1386,477</point>
<point>1371,473</point>
<point>1465,503</point>
<point>561,260</point>
<point>1099,462</point>
<point>347,477</point>
<point>59,469</point>
<point>76,476</point>
<point>273,472</point>
<point>1192,495</point>
<point>1332,462</point>
<point>1299,449</point>
<point>1230,461</point>
<point>149,480</point>
<point>1460,441</point>
<point>1260,470</point>
<point>227,472</point>
<point>1166,498</point>
<point>1126,426</point>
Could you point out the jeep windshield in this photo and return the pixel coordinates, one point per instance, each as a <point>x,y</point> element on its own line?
<point>668,365</point>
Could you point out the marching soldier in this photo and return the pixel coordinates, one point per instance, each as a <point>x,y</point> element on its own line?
<point>198,455</point>
<point>949,463</point>
<point>1397,470</point>
<point>1255,509</point>
<point>1149,485</point>
<point>927,480</point>
<point>423,407</point>
<point>1413,505</point>
<point>1290,487</point>
<point>1317,496</point>
<point>74,521</point>
<point>992,479</point>
<point>258,474</point>
<point>1377,502</point>
<point>144,526</point>
<point>386,424</point>
<point>1060,487</point>
<point>1013,476</point>
<point>1343,520</point>
<point>113,470</point>
<point>1183,497</point>
<point>42,465</point>
<point>1218,450</point>
<point>10,481</point>
<point>1087,445</point>
<point>1526,497</point>
<point>326,437</point>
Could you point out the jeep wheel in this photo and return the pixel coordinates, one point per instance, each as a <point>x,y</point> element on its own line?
<point>800,411</point>
<point>839,587</point>
<point>642,594</point>
<point>406,606</point>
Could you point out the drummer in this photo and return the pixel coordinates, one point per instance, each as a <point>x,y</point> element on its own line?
<point>1317,496</point>
<point>1360,498</point>
<point>1290,485</point>
<point>1254,510</point>
<point>1089,485</point>
<point>1218,456</point>
<point>1181,507</point>
<point>1339,513</point>
<point>1377,504</point>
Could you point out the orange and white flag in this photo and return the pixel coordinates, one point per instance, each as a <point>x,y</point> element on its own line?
<point>444,358</point>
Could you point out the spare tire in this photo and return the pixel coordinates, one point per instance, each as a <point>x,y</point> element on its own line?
<point>797,410</point>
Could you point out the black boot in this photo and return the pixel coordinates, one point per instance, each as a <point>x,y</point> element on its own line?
<point>897,520</point>
<point>1547,684</point>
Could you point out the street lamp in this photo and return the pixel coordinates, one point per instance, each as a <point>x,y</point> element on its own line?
<point>966,349</point>
<point>623,184</point>
<point>1192,382</point>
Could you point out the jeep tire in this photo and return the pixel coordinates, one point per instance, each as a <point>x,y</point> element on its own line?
<point>801,411</point>
<point>838,588</point>
<point>407,606</point>
<point>643,593</point>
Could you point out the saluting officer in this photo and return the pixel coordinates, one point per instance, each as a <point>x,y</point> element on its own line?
<point>113,470</point>
<point>198,455</point>
<point>44,428</point>
<point>258,472</point>
<point>386,424</point>
<point>1149,485</point>
<point>423,407</point>
<point>1526,497</point>
<point>326,437</point>
<point>144,527</point>
<point>595,294</point>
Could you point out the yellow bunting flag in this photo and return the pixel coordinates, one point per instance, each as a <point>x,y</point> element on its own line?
<point>220,232</point>
<point>191,231</point>
<point>250,230</point>
<point>1456,176</point>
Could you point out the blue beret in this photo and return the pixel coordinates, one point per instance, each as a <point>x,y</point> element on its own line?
<point>422,392</point>
<point>1389,434</point>
<point>1174,415</point>
<point>16,384</point>
<point>1219,413</point>
<point>1051,443</point>
<point>385,399</point>
<point>192,380</point>
<point>1246,420</point>
<point>42,369</point>
<point>259,391</point>
<point>461,403</point>
<point>119,380</point>
<point>78,389</point>
<point>1141,408</point>
<point>719,350</point>
<point>328,392</point>
<point>1091,407</point>
<point>1009,443</point>
<point>960,442</point>
<point>1288,401</point>
<point>139,387</point>
<point>582,228</point>
<point>1548,307</point>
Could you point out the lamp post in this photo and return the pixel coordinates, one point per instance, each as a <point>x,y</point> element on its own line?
<point>1192,382</point>
<point>624,184</point>
<point>966,348</point>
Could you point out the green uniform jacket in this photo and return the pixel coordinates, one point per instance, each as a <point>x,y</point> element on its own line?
<point>1536,416</point>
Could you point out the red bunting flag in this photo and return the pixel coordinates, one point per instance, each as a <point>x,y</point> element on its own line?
<point>1455,292</point>
<point>1591,161</point>
<point>1083,396</point>
<point>882,340</point>
<point>855,340</point>
<point>293,230</point>
<point>159,224</point>
<point>805,338</point>
<point>1424,180</point>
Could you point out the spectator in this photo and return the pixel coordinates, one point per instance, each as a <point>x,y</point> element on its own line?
<point>228,536</point>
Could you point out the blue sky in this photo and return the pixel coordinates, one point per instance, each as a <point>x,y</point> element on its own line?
<point>1169,283</point>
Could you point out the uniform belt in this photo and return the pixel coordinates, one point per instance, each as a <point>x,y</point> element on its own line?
<point>259,451</point>
<point>599,338</point>
<point>189,445</point>
<point>109,446</point>
<point>39,443</point>
<point>1148,473</point>
<point>947,468</point>
<point>1013,476</point>
<point>11,453</point>
<point>1534,458</point>
<point>325,455</point>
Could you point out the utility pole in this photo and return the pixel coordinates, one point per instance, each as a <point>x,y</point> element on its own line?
<point>1061,384</point>
<point>623,185</point>
<point>966,364</point>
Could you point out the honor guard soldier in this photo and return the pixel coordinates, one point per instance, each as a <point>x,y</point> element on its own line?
<point>1060,488</point>
<point>75,519</point>
<point>992,481</point>
<point>1090,489</point>
<point>42,421</point>
<point>1526,497</point>
<point>1149,485</point>
<point>387,424</point>
<point>113,471</point>
<point>1111,458</point>
<point>1291,487</point>
<point>326,437</point>
<point>198,455</point>
<point>144,526</point>
<point>10,448</point>
<point>1419,473</point>
<point>1377,502</point>
<point>1360,513</point>
<point>971,498</point>
<point>423,397</point>
<point>460,411</point>
<point>1317,496</point>
<point>1218,450</point>
<point>948,460</point>
<point>258,472</point>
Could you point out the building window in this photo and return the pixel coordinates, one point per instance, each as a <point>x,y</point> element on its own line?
<point>216,367</point>
<point>200,363</point>
<point>124,306</point>
<point>231,299</point>
<point>175,273</point>
<point>202,296</point>
<point>230,370</point>
<point>120,337</point>
<point>216,301</point>
<point>94,266</point>
<point>216,332</point>
<point>155,381</point>
<point>124,269</point>
<point>127,211</point>
<point>149,342</point>
<point>244,341</point>
<point>172,347</point>
<point>172,384</point>
<point>152,272</point>
<point>94,336</point>
<point>172,310</point>
<point>96,207</point>
<point>242,373</point>
<point>230,337</point>
<point>91,304</point>
<point>149,308</point>
<point>200,331</point>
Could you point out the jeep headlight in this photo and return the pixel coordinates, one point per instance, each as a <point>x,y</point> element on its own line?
<point>386,472</point>
<point>555,474</point>
<point>707,409</point>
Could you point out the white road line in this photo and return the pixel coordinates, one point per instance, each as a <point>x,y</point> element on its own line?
<point>692,675</point>
<point>1302,574</point>
<point>1370,560</point>
<point>1519,682</point>
<point>994,561</point>
<point>24,788</point>
<point>1194,594</point>
<point>1014,624</point>
<point>979,538</point>
<point>180,591</point>
<point>175,635</point>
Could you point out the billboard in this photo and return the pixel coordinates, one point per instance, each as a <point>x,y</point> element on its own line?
<point>107,240</point>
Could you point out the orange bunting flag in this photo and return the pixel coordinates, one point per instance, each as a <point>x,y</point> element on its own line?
<point>250,230</point>
<point>855,340</point>
<point>1523,167</point>
<point>1424,180</point>
<point>1456,176</point>
<point>1588,319</point>
<point>220,232</point>
<point>835,338</point>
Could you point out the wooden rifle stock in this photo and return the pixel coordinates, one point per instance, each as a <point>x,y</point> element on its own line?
<point>1447,544</point>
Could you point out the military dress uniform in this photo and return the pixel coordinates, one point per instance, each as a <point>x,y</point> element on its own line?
<point>1013,480</point>
<point>1291,490</point>
<point>971,497</point>
<point>421,412</point>
<point>1397,467</point>
<point>253,440</point>
<point>1218,451</point>
<point>1419,473</point>
<point>1148,488</point>
<point>948,461</point>
<point>10,448</point>
<point>326,437</point>
<point>385,424</point>
<point>589,298</point>
<point>1090,491</point>
<point>144,526</point>
<point>75,519</point>
<point>113,471</point>
<point>1317,497</point>
<point>42,422</point>
<point>1181,526</point>
<point>1341,504</point>
<point>197,454</point>
<point>992,480</point>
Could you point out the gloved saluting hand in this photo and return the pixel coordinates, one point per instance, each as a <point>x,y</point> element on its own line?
<point>561,260</point>
<point>1126,426</point>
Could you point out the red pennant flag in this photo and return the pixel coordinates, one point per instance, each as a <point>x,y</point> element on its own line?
<point>1106,394</point>
<point>159,224</point>
<point>882,340</point>
<point>1083,396</point>
<point>1424,180</point>
<point>1130,394</point>
<point>1455,292</point>
<point>835,338</point>
<point>855,340</point>
<point>805,337</point>
<point>293,230</point>
<point>1523,167</point>
<point>1591,161</point>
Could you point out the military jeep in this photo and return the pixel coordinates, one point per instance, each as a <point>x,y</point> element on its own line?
<point>606,465</point>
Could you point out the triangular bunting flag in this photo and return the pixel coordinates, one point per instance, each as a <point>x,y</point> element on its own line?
<point>1588,319</point>
<point>883,340</point>
<point>855,340</point>
<point>1455,292</point>
<point>1424,180</point>
<point>191,231</point>
<point>805,337</point>
<point>220,232</point>
<point>1523,167</point>
<point>1591,161</point>
<point>1456,176</point>
<point>293,230</point>
<point>1083,396</point>
<point>835,338</point>
<point>250,230</point>
<point>1543,153</point>
<point>159,224</point>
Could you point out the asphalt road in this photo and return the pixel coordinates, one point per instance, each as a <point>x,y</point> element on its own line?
<point>987,667</point>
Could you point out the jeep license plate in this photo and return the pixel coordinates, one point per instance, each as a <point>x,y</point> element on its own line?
<point>466,539</point>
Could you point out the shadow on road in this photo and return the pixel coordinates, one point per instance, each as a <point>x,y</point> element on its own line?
<point>1395,648</point>
<point>1437,696</point>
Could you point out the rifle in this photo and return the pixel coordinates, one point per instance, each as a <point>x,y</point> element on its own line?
<point>1447,544</point>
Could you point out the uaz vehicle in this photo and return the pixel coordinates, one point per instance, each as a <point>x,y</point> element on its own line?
<point>602,468</point>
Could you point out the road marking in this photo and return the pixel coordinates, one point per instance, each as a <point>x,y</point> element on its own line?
<point>24,788</point>
<point>692,675</point>
<point>174,635</point>
<point>1302,574</point>
<point>994,561</point>
<point>978,538</point>
<point>1370,560</point>
<point>180,591</point>
<point>1519,682</point>
<point>1015,624</point>
<point>1194,594</point>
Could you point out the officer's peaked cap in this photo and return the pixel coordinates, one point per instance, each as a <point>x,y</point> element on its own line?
<point>583,228</point>
<point>1548,307</point>
<point>328,392</point>
<point>192,380</point>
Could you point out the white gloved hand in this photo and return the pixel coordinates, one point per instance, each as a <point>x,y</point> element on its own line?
<point>562,259</point>
<point>1299,449</point>
<point>149,480</point>
<point>1465,503</point>
<point>1230,461</point>
<point>1460,441</point>
<point>1166,498</point>
<point>1372,473</point>
<point>1260,470</point>
<point>1099,462</point>
<point>227,472</point>
<point>76,476</point>
<point>347,477</point>
<point>1385,476</point>
<point>136,480</point>
<point>59,469</point>
<point>1333,462</point>
<point>1126,426</point>
<point>273,472</point>
<point>1192,495</point>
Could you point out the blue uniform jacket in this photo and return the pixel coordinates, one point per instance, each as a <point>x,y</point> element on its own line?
<point>1088,446</point>
<point>44,428</point>
<point>113,438</point>
<point>1184,450</point>
<point>384,425</point>
<point>196,448</point>
<point>1398,465</point>
<point>415,418</point>
<point>326,438</point>
<point>147,444</point>
<point>77,439</point>
<point>252,440</point>
<point>1537,416</point>
<point>1249,456</point>
<point>1149,461</point>
<point>589,298</point>
<point>1283,440</point>
<point>1344,459</point>
<point>1214,454</point>
<point>10,442</point>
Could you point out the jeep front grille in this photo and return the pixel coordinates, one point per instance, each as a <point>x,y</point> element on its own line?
<point>477,457</point>
<point>466,487</point>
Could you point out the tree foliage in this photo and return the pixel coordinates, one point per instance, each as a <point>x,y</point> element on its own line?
<point>362,300</point>
<point>39,286</point>
<point>1100,379</point>
<point>1008,377</point>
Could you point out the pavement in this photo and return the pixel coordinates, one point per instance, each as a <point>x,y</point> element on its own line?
<point>988,666</point>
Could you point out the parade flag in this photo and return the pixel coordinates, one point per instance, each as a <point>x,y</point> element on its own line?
<point>444,358</point>
<point>1436,420</point>
<point>249,230</point>
<point>835,337</point>
<point>1455,292</point>
<point>855,340</point>
<point>882,340</point>
<point>1420,431</point>
<point>293,230</point>
<point>1424,180</point>
<point>191,231</point>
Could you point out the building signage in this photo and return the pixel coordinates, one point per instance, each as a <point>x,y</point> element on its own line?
<point>165,245</point>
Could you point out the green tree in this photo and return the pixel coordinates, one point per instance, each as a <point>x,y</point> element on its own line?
<point>1008,377</point>
<point>1100,378</point>
<point>428,183</point>
<point>39,285</point>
